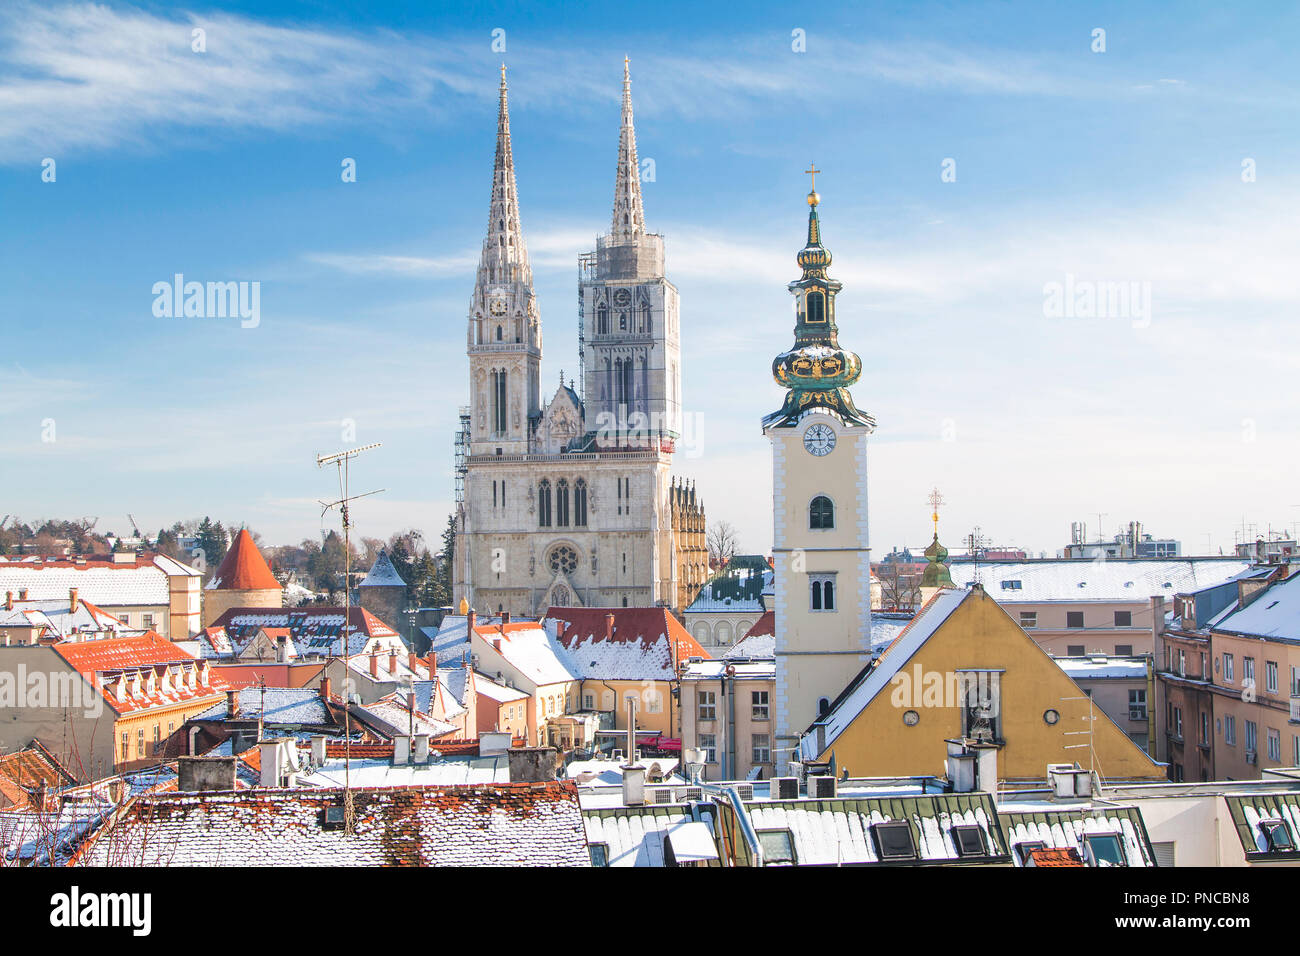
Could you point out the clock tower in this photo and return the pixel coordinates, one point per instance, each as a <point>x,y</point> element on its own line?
<point>820,545</point>
<point>505,331</point>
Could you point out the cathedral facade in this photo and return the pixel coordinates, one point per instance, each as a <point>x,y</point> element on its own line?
<point>571,502</point>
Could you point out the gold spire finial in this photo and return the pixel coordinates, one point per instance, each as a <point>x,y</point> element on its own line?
<point>813,198</point>
<point>503,76</point>
<point>936,500</point>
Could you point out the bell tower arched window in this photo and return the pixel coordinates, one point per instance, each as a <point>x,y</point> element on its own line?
<point>821,513</point>
<point>816,305</point>
<point>602,320</point>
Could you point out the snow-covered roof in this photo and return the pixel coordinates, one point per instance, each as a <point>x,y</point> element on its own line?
<point>276,705</point>
<point>494,691</point>
<point>100,582</point>
<point>635,836</point>
<point>641,644</point>
<point>1094,668</point>
<point>1113,580</point>
<point>1064,828</point>
<point>394,715</point>
<point>733,591</point>
<point>314,630</point>
<point>443,772</point>
<point>753,646</point>
<point>1273,613</point>
<point>383,574</point>
<point>829,832</point>
<point>1248,811</point>
<point>536,825</point>
<point>744,670</point>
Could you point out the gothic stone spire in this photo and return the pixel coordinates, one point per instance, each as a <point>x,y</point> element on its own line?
<point>504,260</point>
<point>629,216</point>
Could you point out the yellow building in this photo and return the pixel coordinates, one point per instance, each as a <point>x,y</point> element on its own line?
<point>965,670</point>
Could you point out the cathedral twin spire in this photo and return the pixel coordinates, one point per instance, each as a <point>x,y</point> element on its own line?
<point>629,216</point>
<point>505,256</point>
<point>504,259</point>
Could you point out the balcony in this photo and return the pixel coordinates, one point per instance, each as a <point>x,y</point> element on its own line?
<point>1294,716</point>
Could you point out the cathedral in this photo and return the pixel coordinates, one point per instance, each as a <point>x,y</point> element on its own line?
<point>571,502</point>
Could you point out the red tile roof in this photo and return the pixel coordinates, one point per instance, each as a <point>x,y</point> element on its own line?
<point>764,626</point>
<point>1052,856</point>
<point>244,568</point>
<point>162,669</point>
<point>645,624</point>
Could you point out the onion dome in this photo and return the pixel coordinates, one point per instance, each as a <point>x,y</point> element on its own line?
<point>816,370</point>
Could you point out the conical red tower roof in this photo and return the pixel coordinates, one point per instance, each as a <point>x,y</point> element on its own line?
<point>244,568</point>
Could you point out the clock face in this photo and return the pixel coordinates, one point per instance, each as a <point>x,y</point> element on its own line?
<point>622,298</point>
<point>819,440</point>
<point>497,306</point>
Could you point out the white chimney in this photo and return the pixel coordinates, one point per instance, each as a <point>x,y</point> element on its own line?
<point>492,743</point>
<point>269,751</point>
<point>421,754</point>
<point>318,749</point>
<point>633,786</point>
<point>401,750</point>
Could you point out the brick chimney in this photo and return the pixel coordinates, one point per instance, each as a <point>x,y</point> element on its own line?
<point>412,660</point>
<point>472,619</point>
<point>22,594</point>
<point>232,704</point>
<point>609,625</point>
<point>374,665</point>
<point>9,600</point>
<point>325,688</point>
<point>392,662</point>
<point>72,600</point>
<point>505,617</point>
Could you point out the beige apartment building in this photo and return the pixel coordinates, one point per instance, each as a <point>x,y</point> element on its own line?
<point>1229,678</point>
<point>1076,607</point>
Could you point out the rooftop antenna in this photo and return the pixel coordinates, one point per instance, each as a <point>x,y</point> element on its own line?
<point>341,460</point>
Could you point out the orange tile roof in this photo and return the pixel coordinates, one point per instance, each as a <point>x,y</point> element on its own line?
<point>1053,856</point>
<point>646,624</point>
<point>113,660</point>
<point>244,568</point>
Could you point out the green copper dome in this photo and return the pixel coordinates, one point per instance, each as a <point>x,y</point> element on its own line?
<point>816,370</point>
<point>936,573</point>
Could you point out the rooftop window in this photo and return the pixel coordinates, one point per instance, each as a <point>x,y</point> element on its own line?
<point>1024,849</point>
<point>894,840</point>
<point>1104,849</point>
<point>1277,835</point>
<point>1011,585</point>
<point>777,846</point>
<point>599,853</point>
<point>969,840</point>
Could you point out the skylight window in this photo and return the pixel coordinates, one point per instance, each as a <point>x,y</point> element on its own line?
<point>969,840</point>
<point>1277,835</point>
<point>1104,849</point>
<point>599,853</point>
<point>778,847</point>
<point>894,840</point>
<point>1011,585</point>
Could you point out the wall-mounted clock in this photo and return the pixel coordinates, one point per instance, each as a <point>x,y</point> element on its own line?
<point>819,440</point>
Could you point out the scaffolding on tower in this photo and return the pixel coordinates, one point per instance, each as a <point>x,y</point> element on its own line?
<point>462,454</point>
<point>586,271</point>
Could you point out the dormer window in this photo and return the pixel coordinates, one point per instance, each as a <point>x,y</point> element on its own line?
<point>1023,850</point>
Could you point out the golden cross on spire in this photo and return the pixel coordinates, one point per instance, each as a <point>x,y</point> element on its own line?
<point>812,171</point>
<point>936,501</point>
<point>503,75</point>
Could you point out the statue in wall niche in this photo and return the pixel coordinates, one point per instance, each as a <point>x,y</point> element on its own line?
<point>532,565</point>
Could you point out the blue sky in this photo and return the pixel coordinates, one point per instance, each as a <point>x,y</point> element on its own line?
<point>1112,167</point>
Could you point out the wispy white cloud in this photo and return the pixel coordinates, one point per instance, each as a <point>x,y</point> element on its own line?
<point>84,75</point>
